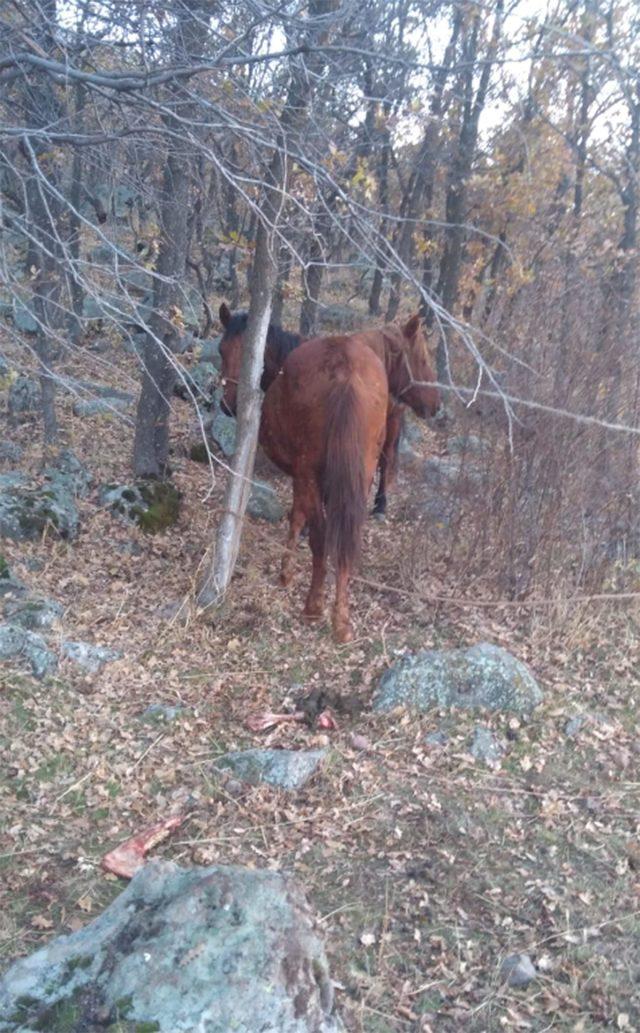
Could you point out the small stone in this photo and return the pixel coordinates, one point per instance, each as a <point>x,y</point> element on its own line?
<point>264,503</point>
<point>162,712</point>
<point>90,658</point>
<point>485,746</point>
<point>574,725</point>
<point>437,738</point>
<point>234,787</point>
<point>286,769</point>
<point>518,970</point>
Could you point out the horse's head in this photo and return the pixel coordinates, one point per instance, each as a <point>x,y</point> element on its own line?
<point>414,379</point>
<point>231,355</point>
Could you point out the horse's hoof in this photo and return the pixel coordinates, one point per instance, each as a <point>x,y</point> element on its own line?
<point>378,514</point>
<point>314,612</point>
<point>285,580</point>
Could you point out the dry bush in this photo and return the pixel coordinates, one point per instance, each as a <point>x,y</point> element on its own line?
<point>546,503</point>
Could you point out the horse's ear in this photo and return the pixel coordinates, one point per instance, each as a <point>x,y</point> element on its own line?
<point>411,328</point>
<point>225,314</point>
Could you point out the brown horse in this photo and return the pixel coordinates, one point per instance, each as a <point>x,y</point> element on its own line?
<point>323,423</point>
<point>403,352</point>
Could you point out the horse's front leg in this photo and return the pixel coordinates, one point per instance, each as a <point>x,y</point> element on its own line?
<point>380,503</point>
<point>388,462</point>
<point>342,628</point>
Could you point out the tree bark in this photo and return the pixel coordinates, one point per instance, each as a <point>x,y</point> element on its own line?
<point>228,537</point>
<point>151,442</point>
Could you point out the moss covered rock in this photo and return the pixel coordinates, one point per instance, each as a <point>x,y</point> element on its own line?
<point>484,675</point>
<point>214,949</point>
<point>152,505</point>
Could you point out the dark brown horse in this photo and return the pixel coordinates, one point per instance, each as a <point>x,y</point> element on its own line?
<point>403,352</point>
<point>323,423</point>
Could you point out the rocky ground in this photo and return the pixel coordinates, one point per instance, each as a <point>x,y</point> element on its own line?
<point>434,847</point>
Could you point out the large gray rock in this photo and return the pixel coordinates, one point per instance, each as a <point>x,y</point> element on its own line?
<point>264,503</point>
<point>67,472</point>
<point>24,318</point>
<point>18,644</point>
<point>24,396</point>
<point>450,473</point>
<point>467,444</point>
<point>286,769</point>
<point>210,352</point>
<point>10,452</point>
<point>100,406</point>
<point>26,513</point>
<point>90,658</point>
<point>222,429</point>
<point>198,383</point>
<point>482,676</point>
<point>33,614</point>
<point>202,950</point>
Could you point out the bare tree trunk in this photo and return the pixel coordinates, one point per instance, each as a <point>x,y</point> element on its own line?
<point>151,443</point>
<point>75,200</point>
<point>229,532</point>
<point>43,219</point>
<point>473,106</point>
<point>421,184</point>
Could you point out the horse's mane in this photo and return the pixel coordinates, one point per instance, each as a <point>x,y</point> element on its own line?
<point>280,342</point>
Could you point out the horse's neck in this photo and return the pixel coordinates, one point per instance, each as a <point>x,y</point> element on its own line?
<point>393,357</point>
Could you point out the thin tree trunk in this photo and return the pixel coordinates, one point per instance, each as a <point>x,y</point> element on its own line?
<point>229,532</point>
<point>151,442</point>
<point>75,200</point>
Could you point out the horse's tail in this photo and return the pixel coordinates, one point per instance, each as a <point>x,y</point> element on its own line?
<point>344,488</point>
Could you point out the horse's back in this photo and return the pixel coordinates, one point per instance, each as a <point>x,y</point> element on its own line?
<point>322,362</point>
<point>299,405</point>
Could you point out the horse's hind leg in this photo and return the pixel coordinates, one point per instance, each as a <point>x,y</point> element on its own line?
<point>314,606</point>
<point>297,520</point>
<point>342,628</point>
